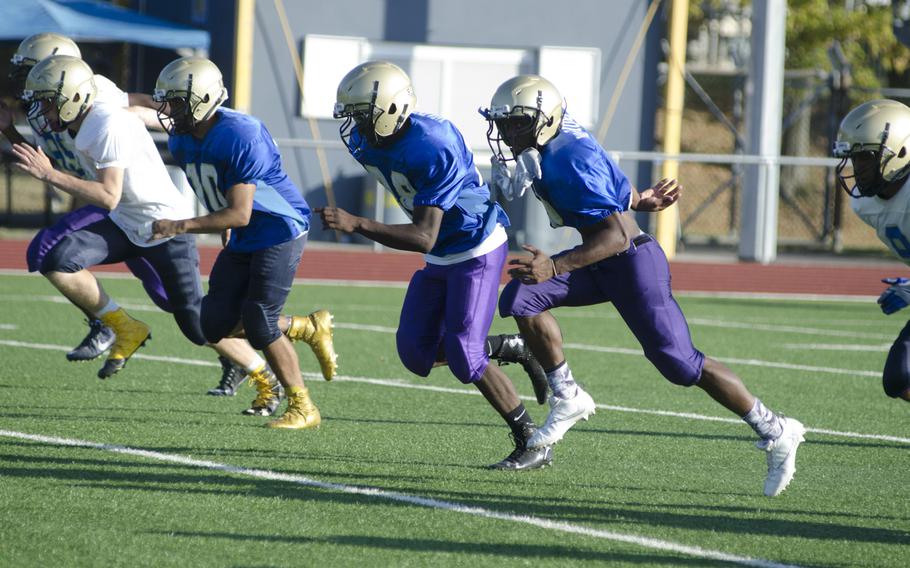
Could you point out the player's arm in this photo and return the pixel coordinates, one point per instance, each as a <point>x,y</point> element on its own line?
<point>105,191</point>
<point>602,240</point>
<point>420,235</point>
<point>143,106</point>
<point>236,214</point>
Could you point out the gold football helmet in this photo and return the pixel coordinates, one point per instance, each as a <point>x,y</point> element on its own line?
<point>61,82</point>
<point>378,98</point>
<point>527,111</point>
<point>33,49</point>
<point>876,132</point>
<point>190,90</point>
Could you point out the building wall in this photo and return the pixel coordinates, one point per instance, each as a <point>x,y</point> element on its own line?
<point>609,26</point>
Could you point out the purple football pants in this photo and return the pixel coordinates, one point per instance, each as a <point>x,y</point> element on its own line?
<point>638,283</point>
<point>453,307</point>
<point>47,239</point>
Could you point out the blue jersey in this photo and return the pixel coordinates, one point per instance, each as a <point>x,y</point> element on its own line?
<point>239,149</point>
<point>60,147</point>
<point>430,165</point>
<point>581,185</point>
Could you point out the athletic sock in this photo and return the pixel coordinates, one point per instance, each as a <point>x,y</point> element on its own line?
<point>255,364</point>
<point>111,306</point>
<point>765,423</point>
<point>517,420</point>
<point>562,382</point>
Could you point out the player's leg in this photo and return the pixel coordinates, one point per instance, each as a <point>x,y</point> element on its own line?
<point>220,315</point>
<point>100,338</point>
<point>420,325</point>
<point>65,267</point>
<point>470,305</point>
<point>896,375</point>
<point>174,265</point>
<point>639,281</point>
<point>530,305</point>
<point>272,273</point>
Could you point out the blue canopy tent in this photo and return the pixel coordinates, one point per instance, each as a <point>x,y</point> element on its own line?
<point>90,20</point>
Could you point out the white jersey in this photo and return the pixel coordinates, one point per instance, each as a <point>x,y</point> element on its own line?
<point>111,136</point>
<point>61,147</point>
<point>890,218</point>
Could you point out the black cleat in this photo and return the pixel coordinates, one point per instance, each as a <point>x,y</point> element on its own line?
<point>522,457</point>
<point>515,350</point>
<point>100,338</point>
<point>232,376</point>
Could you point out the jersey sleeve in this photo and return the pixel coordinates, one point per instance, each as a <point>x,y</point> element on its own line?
<point>594,190</point>
<point>437,175</point>
<point>108,92</point>
<point>248,162</point>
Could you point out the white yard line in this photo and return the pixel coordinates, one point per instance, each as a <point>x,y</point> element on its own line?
<point>417,500</point>
<point>881,348</point>
<point>403,383</point>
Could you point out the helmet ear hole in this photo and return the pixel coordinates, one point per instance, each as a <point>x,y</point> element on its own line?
<point>206,98</point>
<point>902,153</point>
<point>77,97</point>
<point>393,108</point>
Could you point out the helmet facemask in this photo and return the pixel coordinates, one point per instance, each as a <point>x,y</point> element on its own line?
<point>868,164</point>
<point>18,74</point>
<point>177,111</point>
<point>518,127</point>
<point>363,116</point>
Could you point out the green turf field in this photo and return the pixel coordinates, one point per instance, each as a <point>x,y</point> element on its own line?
<point>395,477</point>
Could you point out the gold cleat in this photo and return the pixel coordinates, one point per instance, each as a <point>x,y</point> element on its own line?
<point>316,331</point>
<point>269,392</point>
<point>131,335</point>
<point>300,414</point>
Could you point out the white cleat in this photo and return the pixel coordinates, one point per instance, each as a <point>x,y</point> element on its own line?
<point>564,413</point>
<point>782,456</point>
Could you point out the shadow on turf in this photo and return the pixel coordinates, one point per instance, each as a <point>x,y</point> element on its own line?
<point>525,552</point>
<point>608,513</point>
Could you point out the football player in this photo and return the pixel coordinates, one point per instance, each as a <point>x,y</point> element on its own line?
<point>422,160</point>
<point>130,181</point>
<point>582,188</point>
<point>875,139</point>
<point>235,169</point>
<point>60,148</point>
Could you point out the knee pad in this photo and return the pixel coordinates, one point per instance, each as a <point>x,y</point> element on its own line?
<point>415,359</point>
<point>190,323</point>
<point>682,371</point>
<point>216,323</point>
<point>896,376</point>
<point>259,324</point>
<point>508,299</point>
<point>465,363</point>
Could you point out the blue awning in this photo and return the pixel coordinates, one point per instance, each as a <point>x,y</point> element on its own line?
<point>89,20</point>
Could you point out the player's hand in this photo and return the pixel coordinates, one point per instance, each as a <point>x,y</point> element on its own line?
<point>225,237</point>
<point>896,297</point>
<point>527,169</point>
<point>163,228</point>
<point>501,178</point>
<point>33,161</point>
<point>534,270</point>
<point>664,194</point>
<point>337,219</point>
